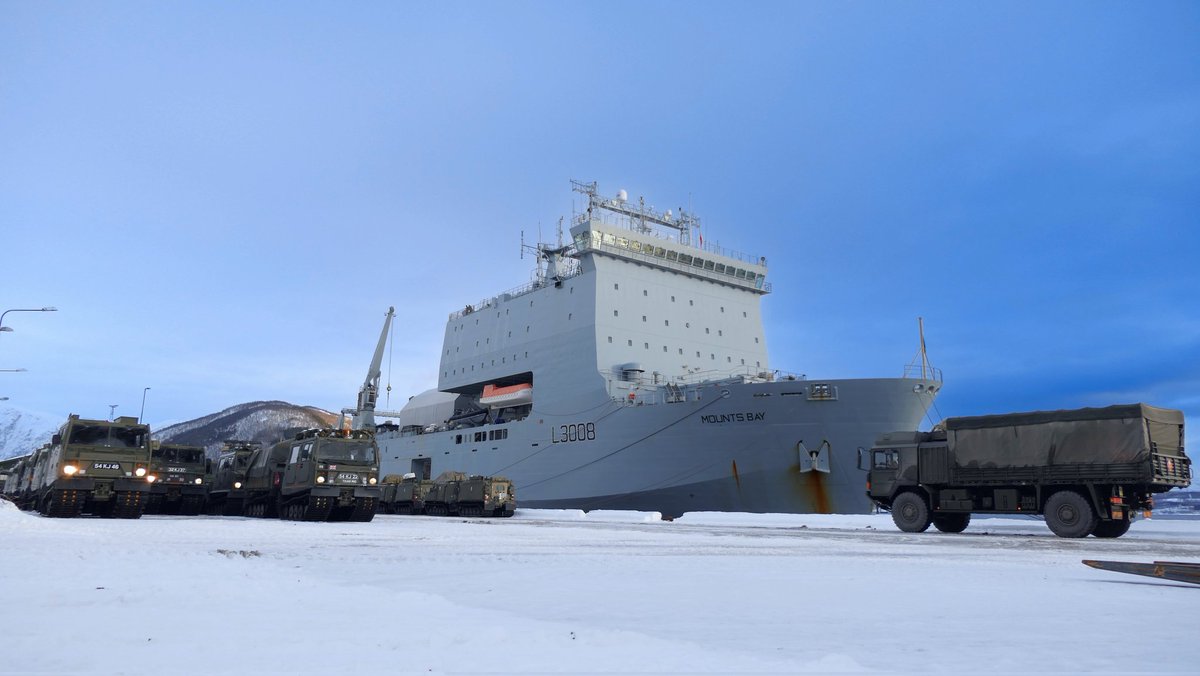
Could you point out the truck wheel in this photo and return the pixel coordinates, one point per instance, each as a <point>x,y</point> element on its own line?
<point>1111,529</point>
<point>951,523</point>
<point>910,513</point>
<point>1070,515</point>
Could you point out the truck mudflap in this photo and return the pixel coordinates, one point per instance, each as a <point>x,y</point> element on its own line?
<point>1165,570</point>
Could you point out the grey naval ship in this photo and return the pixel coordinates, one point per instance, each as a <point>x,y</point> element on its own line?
<point>632,373</point>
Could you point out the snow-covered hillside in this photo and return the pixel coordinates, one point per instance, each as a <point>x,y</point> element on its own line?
<point>21,431</point>
<point>267,421</point>
<point>264,421</point>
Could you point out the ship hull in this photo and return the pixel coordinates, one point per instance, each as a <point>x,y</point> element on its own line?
<point>753,447</point>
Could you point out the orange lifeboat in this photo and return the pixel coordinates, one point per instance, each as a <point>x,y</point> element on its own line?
<point>512,395</point>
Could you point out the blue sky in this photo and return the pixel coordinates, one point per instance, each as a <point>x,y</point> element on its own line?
<point>222,199</point>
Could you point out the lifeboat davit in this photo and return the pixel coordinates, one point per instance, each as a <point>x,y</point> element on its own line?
<point>512,395</point>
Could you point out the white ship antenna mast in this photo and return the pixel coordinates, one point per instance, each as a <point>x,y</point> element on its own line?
<point>639,215</point>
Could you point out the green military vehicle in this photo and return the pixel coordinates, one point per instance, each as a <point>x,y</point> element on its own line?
<point>321,474</point>
<point>179,473</point>
<point>95,466</point>
<point>18,485</point>
<point>1088,471</point>
<point>404,494</point>
<point>8,468</point>
<point>226,478</point>
<point>455,493</point>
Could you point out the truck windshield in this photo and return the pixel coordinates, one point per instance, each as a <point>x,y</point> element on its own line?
<point>346,450</point>
<point>184,455</point>
<point>107,435</point>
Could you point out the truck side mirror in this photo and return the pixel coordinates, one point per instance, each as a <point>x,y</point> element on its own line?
<point>862,455</point>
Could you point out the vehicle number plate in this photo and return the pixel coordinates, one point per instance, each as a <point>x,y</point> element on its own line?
<point>106,465</point>
<point>346,476</point>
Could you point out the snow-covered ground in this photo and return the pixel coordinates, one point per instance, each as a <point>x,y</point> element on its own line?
<point>560,591</point>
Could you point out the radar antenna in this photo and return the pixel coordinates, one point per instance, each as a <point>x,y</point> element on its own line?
<point>639,217</point>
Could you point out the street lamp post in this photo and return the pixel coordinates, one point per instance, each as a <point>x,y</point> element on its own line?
<point>142,412</point>
<point>112,409</point>
<point>36,309</point>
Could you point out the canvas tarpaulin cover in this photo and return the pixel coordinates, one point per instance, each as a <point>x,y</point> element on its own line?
<point>1109,435</point>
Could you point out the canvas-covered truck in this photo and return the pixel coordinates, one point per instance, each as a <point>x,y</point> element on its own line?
<point>95,466</point>
<point>179,473</point>
<point>1087,471</point>
<point>321,474</point>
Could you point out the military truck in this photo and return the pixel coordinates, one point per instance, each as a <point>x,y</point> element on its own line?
<point>94,466</point>
<point>1087,471</point>
<point>226,478</point>
<point>179,472</point>
<point>404,494</point>
<point>455,493</point>
<point>321,474</point>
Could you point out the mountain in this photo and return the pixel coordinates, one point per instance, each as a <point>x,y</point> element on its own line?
<point>265,421</point>
<point>21,432</point>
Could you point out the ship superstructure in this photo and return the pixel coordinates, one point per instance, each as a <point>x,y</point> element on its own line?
<point>633,373</point>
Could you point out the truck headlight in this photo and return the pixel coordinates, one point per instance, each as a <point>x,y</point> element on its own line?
<point>320,479</point>
<point>151,478</point>
<point>70,469</point>
<point>371,481</point>
<point>141,471</point>
<point>199,480</point>
<point>237,484</point>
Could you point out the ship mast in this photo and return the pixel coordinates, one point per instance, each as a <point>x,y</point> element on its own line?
<point>640,216</point>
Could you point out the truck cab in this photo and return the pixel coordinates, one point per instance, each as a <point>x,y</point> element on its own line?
<point>226,478</point>
<point>96,466</point>
<point>179,478</point>
<point>320,474</point>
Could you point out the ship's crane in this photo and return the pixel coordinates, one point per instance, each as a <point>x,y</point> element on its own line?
<point>364,413</point>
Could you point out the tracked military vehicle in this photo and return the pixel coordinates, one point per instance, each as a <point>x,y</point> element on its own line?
<point>19,485</point>
<point>320,475</point>
<point>455,493</point>
<point>226,480</point>
<point>404,494</point>
<point>179,472</point>
<point>94,466</point>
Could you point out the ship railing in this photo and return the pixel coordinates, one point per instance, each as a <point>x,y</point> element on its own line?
<point>759,283</point>
<point>510,294</point>
<point>923,372</point>
<point>737,375</point>
<point>608,218</point>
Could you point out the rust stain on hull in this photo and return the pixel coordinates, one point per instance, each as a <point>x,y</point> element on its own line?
<point>812,485</point>
<point>816,486</point>
<point>737,479</point>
